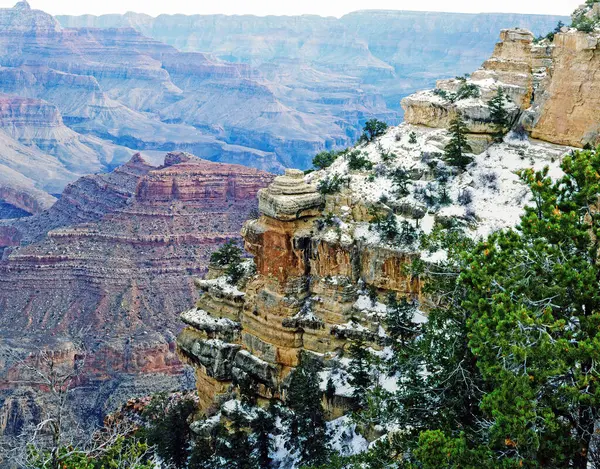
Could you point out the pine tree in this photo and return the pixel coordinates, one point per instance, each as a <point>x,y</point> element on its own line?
<point>308,430</point>
<point>455,151</point>
<point>324,159</point>
<point>400,326</point>
<point>262,427</point>
<point>498,114</point>
<point>373,129</point>
<point>168,428</point>
<point>233,448</point>
<point>534,303</point>
<point>439,387</point>
<point>360,371</point>
<point>229,253</point>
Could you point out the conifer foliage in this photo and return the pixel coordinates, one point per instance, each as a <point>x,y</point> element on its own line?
<point>458,146</point>
<point>499,114</point>
<point>307,419</point>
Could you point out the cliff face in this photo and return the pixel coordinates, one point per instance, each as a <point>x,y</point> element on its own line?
<point>117,237</point>
<point>392,52</point>
<point>324,270</point>
<point>565,109</point>
<point>552,89</point>
<point>119,85</point>
<point>326,263</point>
<point>115,257</point>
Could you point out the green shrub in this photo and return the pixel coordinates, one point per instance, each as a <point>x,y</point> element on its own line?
<point>324,159</point>
<point>331,185</point>
<point>229,253</point>
<point>465,91</point>
<point>357,161</point>
<point>373,128</point>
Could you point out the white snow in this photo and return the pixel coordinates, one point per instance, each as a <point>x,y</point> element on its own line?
<point>498,196</point>
<point>201,318</point>
<point>222,284</point>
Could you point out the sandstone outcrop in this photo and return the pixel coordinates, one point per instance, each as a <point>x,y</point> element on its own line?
<point>565,109</point>
<point>324,269</point>
<point>552,87</point>
<point>510,69</point>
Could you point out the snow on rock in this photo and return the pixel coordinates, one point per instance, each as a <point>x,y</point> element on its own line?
<point>488,196</point>
<point>221,284</point>
<point>200,319</point>
<point>345,440</point>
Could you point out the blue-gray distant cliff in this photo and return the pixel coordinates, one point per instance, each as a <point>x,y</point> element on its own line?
<point>395,52</point>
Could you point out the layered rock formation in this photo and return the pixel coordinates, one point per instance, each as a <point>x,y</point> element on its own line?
<point>565,107</point>
<point>326,261</point>
<point>551,86</point>
<point>115,257</point>
<point>133,91</point>
<point>114,87</point>
<point>392,52</point>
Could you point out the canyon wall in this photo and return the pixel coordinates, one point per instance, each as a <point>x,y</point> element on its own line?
<point>391,52</point>
<point>113,261</point>
<point>551,88</point>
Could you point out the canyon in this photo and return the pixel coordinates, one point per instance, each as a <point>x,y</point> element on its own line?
<point>81,95</point>
<point>114,257</point>
<point>325,265</point>
<point>112,262</point>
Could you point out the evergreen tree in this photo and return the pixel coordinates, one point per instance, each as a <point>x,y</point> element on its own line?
<point>168,427</point>
<point>324,159</point>
<point>229,253</point>
<point>439,387</point>
<point>360,371</point>
<point>498,114</point>
<point>308,430</point>
<point>373,129</point>
<point>534,302</point>
<point>262,427</point>
<point>233,448</point>
<point>400,326</point>
<point>455,151</point>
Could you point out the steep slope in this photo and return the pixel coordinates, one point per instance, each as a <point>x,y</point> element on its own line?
<point>551,88</point>
<point>330,247</point>
<point>121,86</point>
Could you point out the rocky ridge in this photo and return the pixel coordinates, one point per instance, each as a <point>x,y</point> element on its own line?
<point>551,88</point>
<point>393,53</point>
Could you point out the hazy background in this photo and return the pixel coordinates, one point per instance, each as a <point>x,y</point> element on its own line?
<point>277,7</point>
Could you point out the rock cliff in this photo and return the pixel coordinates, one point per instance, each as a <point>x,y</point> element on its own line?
<point>330,247</point>
<point>393,53</point>
<point>121,86</point>
<point>551,86</point>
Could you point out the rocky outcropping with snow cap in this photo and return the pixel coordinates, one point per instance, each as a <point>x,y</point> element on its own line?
<point>552,88</point>
<point>289,197</point>
<point>327,261</point>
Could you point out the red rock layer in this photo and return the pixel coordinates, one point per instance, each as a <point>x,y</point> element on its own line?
<point>117,259</point>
